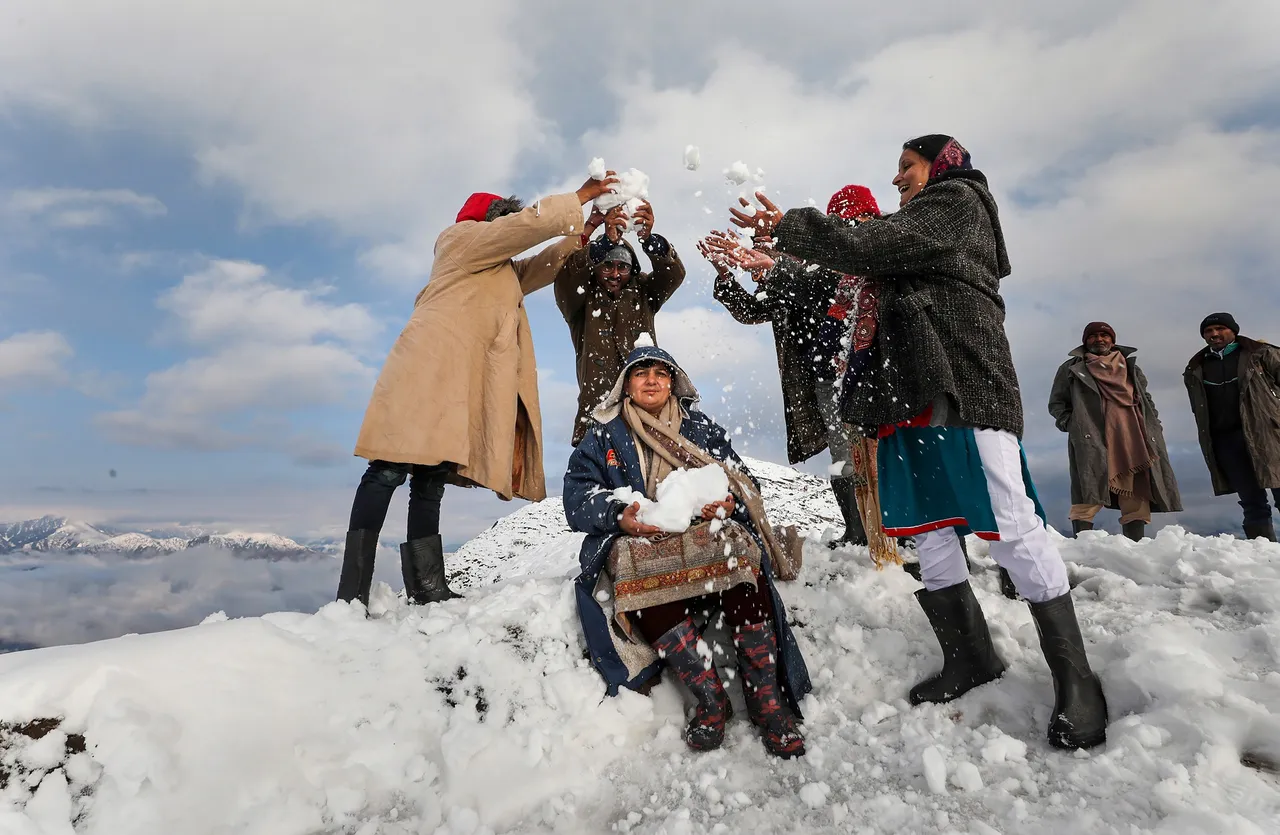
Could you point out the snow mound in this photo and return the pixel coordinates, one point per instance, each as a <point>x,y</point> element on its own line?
<point>483,715</point>
<point>680,497</point>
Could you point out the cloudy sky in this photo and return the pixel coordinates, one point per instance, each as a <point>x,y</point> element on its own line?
<point>214,217</point>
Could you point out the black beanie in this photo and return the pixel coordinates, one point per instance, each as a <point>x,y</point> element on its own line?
<point>928,146</point>
<point>1226,320</point>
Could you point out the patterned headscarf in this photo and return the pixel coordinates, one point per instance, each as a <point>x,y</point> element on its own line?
<point>943,151</point>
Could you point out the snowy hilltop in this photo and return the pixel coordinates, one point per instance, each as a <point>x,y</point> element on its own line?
<point>481,715</point>
<point>56,533</point>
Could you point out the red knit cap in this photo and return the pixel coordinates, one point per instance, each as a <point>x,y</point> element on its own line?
<point>853,201</point>
<point>1097,327</point>
<point>477,206</point>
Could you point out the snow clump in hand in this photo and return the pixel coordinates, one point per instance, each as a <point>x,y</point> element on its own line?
<point>596,169</point>
<point>630,191</point>
<point>681,497</point>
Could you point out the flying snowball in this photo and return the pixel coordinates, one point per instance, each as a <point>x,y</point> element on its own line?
<point>692,157</point>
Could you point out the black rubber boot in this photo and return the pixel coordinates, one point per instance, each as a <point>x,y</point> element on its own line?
<point>1134,531</point>
<point>357,566</point>
<point>1079,707</point>
<point>968,657</point>
<point>422,566</point>
<point>757,648</point>
<point>1078,525</point>
<point>678,646</point>
<point>847,499</point>
<point>1266,530</point>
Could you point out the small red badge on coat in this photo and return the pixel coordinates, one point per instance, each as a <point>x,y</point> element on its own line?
<point>611,458</point>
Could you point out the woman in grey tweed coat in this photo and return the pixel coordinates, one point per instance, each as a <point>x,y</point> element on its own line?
<point>936,383</point>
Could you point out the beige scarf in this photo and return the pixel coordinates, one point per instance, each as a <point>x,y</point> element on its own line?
<point>1126,430</point>
<point>866,486</point>
<point>666,449</point>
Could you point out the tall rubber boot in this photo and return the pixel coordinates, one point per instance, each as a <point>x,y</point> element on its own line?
<point>1079,707</point>
<point>846,497</point>
<point>968,657</point>
<point>1007,587</point>
<point>757,648</point>
<point>1266,530</point>
<point>422,566</point>
<point>1078,525</point>
<point>357,566</point>
<point>1134,531</point>
<point>679,647</point>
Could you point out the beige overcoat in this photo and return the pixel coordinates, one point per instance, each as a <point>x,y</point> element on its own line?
<point>461,381</point>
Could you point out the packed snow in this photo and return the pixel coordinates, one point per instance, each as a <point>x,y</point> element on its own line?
<point>643,340</point>
<point>740,173</point>
<point>481,715</point>
<point>692,157</point>
<point>680,497</point>
<point>630,191</point>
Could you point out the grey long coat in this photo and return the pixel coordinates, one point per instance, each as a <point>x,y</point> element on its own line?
<point>1259,409</point>
<point>1076,406</point>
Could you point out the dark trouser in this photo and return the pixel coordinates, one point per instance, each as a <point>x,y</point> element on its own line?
<point>1232,454</point>
<point>741,605</point>
<point>379,483</point>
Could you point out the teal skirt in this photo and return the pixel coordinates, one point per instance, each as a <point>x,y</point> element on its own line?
<point>931,477</point>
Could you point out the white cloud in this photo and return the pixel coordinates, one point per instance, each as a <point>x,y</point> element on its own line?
<point>271,350</point>
<point>78,208</point>
<point>34,356</point>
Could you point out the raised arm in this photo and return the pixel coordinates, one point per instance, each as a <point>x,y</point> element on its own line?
<point>476,246</point>
<point>537,271</point>
<point>667,272</point>
<point>920,237</point>
<point>573,283</point>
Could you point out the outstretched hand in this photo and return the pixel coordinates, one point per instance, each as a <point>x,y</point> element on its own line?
<point>719,247</point>
<point>763,221</point>
<point>634,527</point>
<point>594,188</point>
<point>643,220</point>
<point>615,223</point>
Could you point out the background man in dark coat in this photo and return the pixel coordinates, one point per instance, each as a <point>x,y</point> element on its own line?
<point>1101,388</point>
<point>607,302</point>
<point>1234,386</point>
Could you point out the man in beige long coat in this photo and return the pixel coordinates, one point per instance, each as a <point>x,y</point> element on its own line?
<point>457,399</point>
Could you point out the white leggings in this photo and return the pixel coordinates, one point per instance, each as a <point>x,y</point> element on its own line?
<point>1024,549</point>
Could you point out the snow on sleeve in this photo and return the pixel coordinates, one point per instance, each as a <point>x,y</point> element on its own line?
<point>681,497</point>
<point>692,157</point>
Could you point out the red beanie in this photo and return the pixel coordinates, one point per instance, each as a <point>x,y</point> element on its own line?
<point>477,206</point>
<point>852,201</point>
<point>1097,327</point>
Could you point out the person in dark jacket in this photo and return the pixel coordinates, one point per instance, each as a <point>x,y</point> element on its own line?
<point>628,651</point>
<point>1234,386</point>
<point>607,301</point>
<point>936,382</point>
<point>809,312</point>
<point>1116,449</point>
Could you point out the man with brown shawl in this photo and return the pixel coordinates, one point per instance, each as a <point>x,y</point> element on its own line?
<point>1116,446</point>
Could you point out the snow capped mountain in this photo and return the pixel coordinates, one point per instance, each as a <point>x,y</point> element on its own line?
<point>55,533</point>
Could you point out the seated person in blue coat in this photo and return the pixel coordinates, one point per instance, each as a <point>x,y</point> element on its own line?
<point>636,619</point>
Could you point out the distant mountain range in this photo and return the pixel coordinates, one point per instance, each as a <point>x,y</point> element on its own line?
<point>57,533</point>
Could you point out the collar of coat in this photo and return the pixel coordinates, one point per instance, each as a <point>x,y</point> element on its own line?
<point>1125,351</point>
<point>1247,346</point>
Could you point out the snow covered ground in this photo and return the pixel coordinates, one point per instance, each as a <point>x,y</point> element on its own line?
<point>481,715</point>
